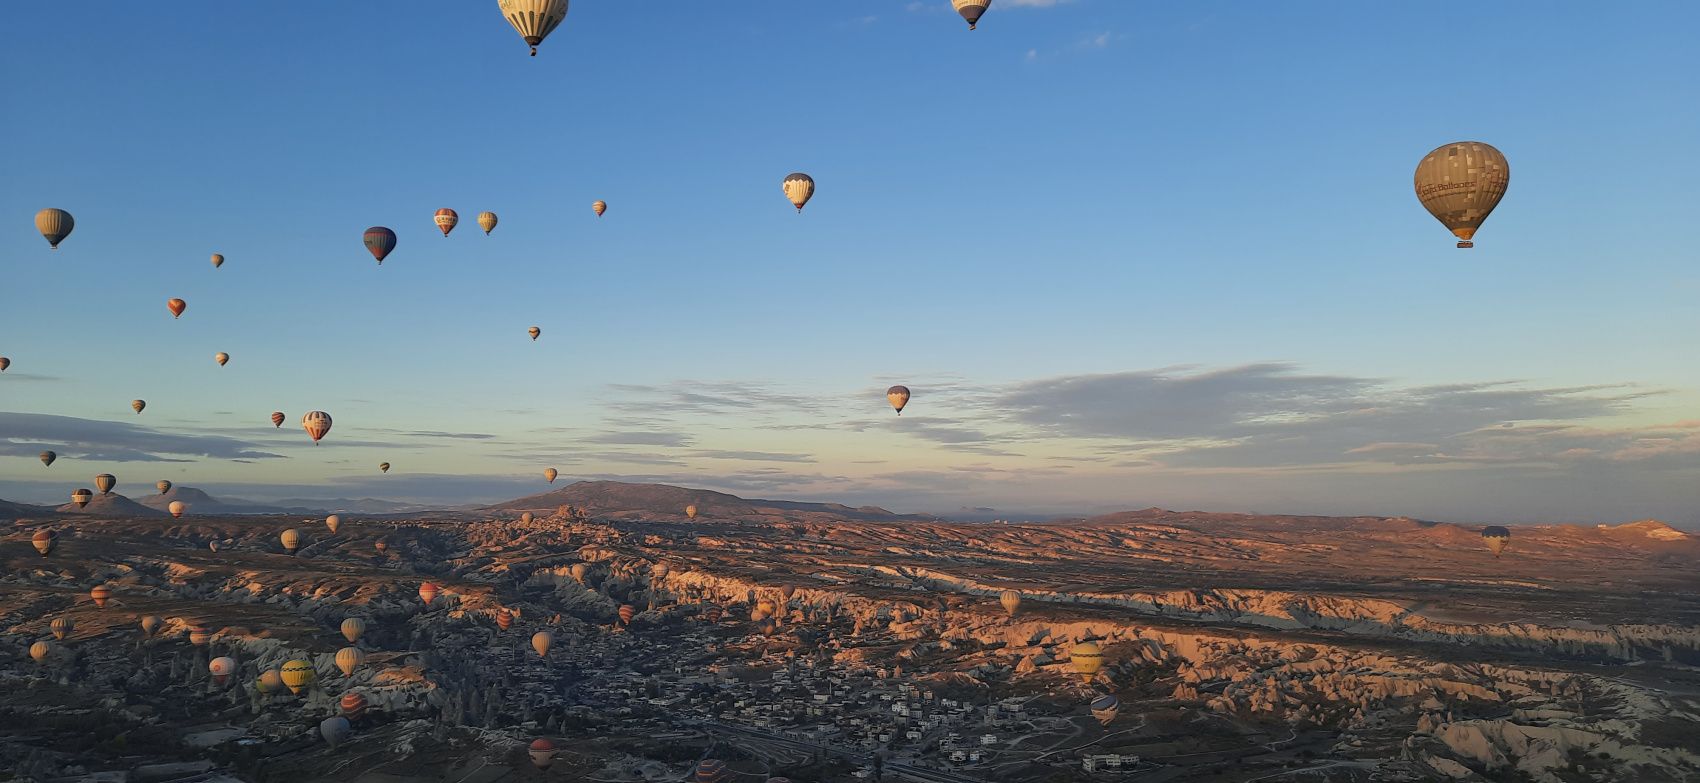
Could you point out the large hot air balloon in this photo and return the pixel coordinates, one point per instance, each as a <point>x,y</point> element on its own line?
<point>1087,660</point>
<point>269,681</point>
<point>427,591</point>
<point>535,333</point>
<point>1011,601</point>
<point>971,10</point>
<point>163,485</point>
<point>691,511</point>
<point>62,627</point>
<point>380,241</point>
<point>627,612</point>
<point>221,668</point>
<point>534,20</point>
<point>82,497</point>
<point>1460,184</point>
<point>297,675</point>
<point>550,474</point>
<point>799,187</point>
<point>711,771</point>
<point>47,458</point>
<point>335,730</point>
<point>348,659</point>
<point>352,628</point>
<point>542,753</point>
<point>54,225</point>
<point>291,540</point>
<point>177,508</point>
<point>579,572</point>
<point>138,405</point>
<point>1105,707</point>
<point>316,423</point>
<point>43,541</point>
<point>1496,537</point>
<point>217,260</point>
<point>150,623</point>
<point>898,396</point>
<point>40,650</point>
<point>446,220</point>
<point>176,306</point>
<point>599,206</point>
<point>383,467</point>
<point>541,642</point>
<point>487,221</point>
<point>353,704</point>
<point>333,522</point>
<point>222,358</point>
<point>278,418</point>
<point>105,482</point>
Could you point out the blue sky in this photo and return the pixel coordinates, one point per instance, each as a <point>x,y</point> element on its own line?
<point>1125,253</point>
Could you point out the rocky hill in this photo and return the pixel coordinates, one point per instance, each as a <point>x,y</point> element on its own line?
<point>621,500</point>
<point>113,505</point>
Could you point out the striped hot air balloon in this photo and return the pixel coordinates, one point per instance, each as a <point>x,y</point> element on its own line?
<point>297,675</point>
<point>504,619</point>
<point>1497,537</point>
<point>278,418</point>
<point>40,650</point>
<point>43,540</point>
<point>1011,601</point>
<point>54,225</point>
<point>348,659</point>
<point>199,635</point>
<point>105,482</point>
<point>316,423</point>
<point>62,627</point>
<point>353,628</point>
<point>799,188</point>
<point>222,358</point>
<point>599,206</point>
<point>487,221</point>
<point>353,704</point>
<point>446,220</point>
<point>82,497</point>
<point>101,594</point>
<point>627,612</point>
<point>380,241</point>
<point>1088,659</point>
<point>550,474</point>
<point>138,406</point>
<point>291,540</point>
<point>1105,707</point>
<point>713,614</point>
<point>534,20</point>
<point>971,10</point>
<point>711,771</point>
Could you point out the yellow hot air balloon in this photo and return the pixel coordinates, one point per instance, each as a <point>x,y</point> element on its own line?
<point>691,512</point>
<point>535,333</point>
<point>550,474</point>
<point>217,260</point>
<point>1087,660</point>
<point>150,623</point>
<point>105,482</point>
<point>291,540</point>
<point>799,188</point>
<point>222,358</point>
<point>487,221</point>
<point>138,405</point>
<point>971,10</point>
<point>316,423</point>
<point>1496,537</point>
<point>40,650</point>
<point>541,642</point>
<point>1460,184</point>
<point>599,207</point>
<point>297,675</point>
<point>333,522</point>
<point>353,628</point>
<point>54,225</point>
<point>177,508</point>
<point>534,20</point>
<point>348,659</point>
<point>62,627</point>
<point>898,396</point>
<point>1011,601</point>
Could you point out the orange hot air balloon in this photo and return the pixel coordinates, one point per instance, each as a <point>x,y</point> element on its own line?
<point>627,612</point>
<point>534,332</point>
<point>217,260</point>
<point>348,659</point>
<point>176,306</point>
<point>4,363</point>
<point>277,418</point>
<point>150,623</point>
<point>62,627</point>
<point>101,594</point>
<point>40,650</point>
<point>43,541</point>
<point>504,619</point>
<point>222,358</point>
<point>898,396</point>
<point>138,405</point>
<point>542,753</point>
<point>316,423</point>
<point>446,220</point>
<point>541,642</point>
<point>550,474</point>
<point>599,207</point>
<point>691,511</point>
<point>269,681</point>
<point>199,635</point>
<point>427,591</point>
<point>353,705</point>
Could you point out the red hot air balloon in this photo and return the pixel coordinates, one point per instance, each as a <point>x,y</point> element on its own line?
<point>353,705</point>
<point>504,619</point>
<point>316,423</point>
<point>627,612</point>
<point>446,220</point>
<point>711,771</point>
<point>176,306</point>
<point>427,591</point>
<point>101,595</point>
<point>277,418</point>
<point>380,241</point>
<point>542,753</point>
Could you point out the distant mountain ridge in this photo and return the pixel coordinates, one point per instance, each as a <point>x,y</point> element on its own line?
<point>113,505</point>
<point>199,502</point>
<point>613,498</point>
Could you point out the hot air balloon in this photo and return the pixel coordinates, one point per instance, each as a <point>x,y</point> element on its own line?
<point>333,522</point>
<point>898,396</point>
<point>550,474</point>
<point>711,771</point>
<point>291,540</point>
<point>427,591</point>
<point>1496,537</point>
<point>176,306</point>
<point>352,628</point>
<point>971,10</point>
<point>1460,184</point>
<point>787,591</point>
<point>82,497</point>
<point>277,418</point>
<point>380,545</point>
<point>348,659</point>
<point>177,508</point>
<point>150,623</point>
<point>579,572</point>
<point>799,188</point>
<point>54,225</point>
<point>222,358</point>
<point>269,681</point>
<point>47,458</point>
<point>43,541</point>
<point>1011,601</point>
<point>40,650</point>
<point>4,363</point>
<point>383,467</point>
<point>163,485</point>
<point>534,20</point>
<point>535,333</point>
<point>691,511</point>
<point>542,753</point>
<point>199,635</point>
<point>541,642</point>
<point>487,221</point>
<point>335,730</point>
<point>101,594</point>
<point>380,241</point>
<point>525,518</point>
<point>221,668</point>
<point>213,545</point>
<point>217,260</point>
<point>353,705</point>
<point>297,675</point>
<point>62,627</point>
<point>599,207</point>
<point>316,423</point>
<point>446,220</point>
<point>138,405</point>
<point>1087,659</point>
<point>504,619</point>
<point>627,612</point>
<point>105,482</point>
<point>1105,707</point>
<point>713,614</point>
